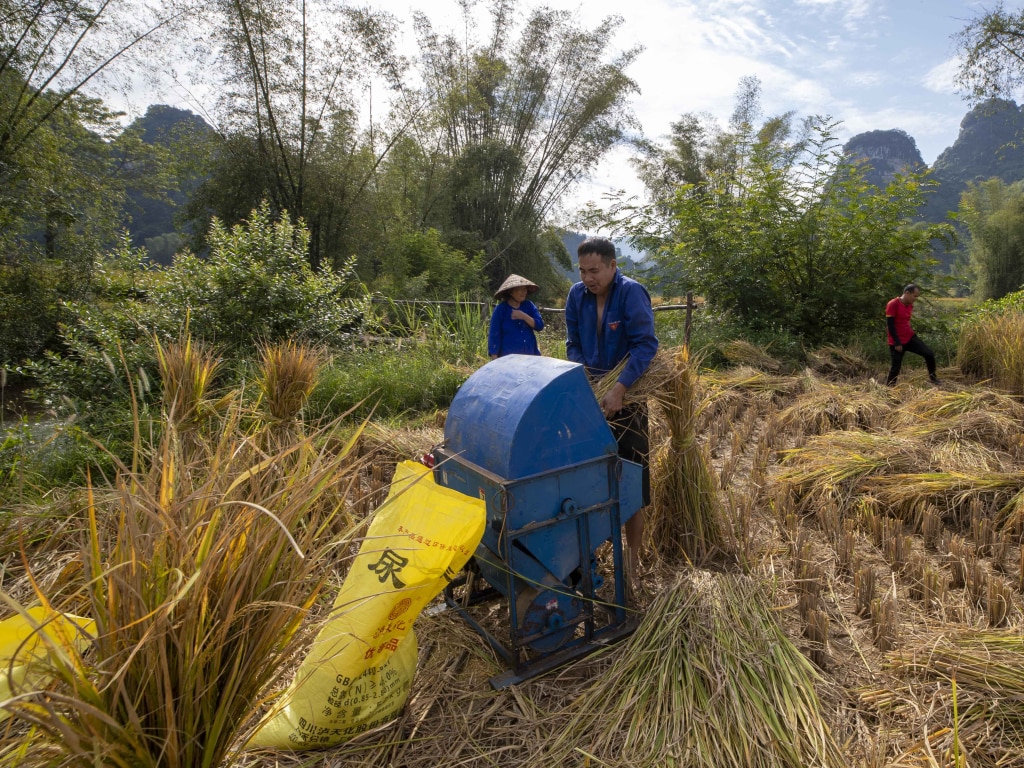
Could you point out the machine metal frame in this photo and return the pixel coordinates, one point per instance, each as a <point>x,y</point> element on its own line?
<point>589,632</point>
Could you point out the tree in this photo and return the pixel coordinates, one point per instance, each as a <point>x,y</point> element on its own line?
<point>53,53</point>
<point>782,232</point>
<point>288,75</point>
<point>518,119</point>
<point>994,214</point>
<point>991,51</point>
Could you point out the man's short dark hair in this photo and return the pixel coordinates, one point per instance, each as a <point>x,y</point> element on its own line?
<point>602,246</point>
<point>912,288</point>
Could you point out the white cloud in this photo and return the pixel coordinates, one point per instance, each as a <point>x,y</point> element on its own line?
<point>942,77</point>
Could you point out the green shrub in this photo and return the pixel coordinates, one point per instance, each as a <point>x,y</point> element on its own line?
<point>420,265</point>
<point>256,285</point>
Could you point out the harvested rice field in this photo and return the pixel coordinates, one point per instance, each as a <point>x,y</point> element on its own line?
<point>833,576</point>
<point>857,601</point>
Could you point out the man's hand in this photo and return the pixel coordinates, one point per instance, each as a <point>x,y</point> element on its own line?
<point>898,347</point>
<point>611,403</point>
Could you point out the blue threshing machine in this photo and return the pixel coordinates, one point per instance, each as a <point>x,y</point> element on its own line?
<point>526,435</point>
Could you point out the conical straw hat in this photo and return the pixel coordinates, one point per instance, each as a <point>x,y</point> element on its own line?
<point>515,281</point>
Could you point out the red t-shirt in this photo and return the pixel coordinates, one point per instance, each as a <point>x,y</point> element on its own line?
<point>900,312</point>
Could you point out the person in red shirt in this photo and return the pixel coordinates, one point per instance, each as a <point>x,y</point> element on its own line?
<point>902,337</point>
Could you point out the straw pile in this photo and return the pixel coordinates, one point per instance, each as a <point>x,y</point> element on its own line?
<point>708,680</point>
<point>824,406</point>
<point>989,678</point>
<point>744,353</point>
<point>838,362</point>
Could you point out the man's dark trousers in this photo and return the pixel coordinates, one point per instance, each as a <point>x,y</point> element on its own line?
<point>916,346</point>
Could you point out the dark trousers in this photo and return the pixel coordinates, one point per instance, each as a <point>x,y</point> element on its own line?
<point>916,346</point>
<point>629,426</point>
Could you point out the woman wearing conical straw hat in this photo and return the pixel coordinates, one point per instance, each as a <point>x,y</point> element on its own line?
<point>514,320</point>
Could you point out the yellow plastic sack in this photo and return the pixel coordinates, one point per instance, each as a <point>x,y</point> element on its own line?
<point>358,673</point>
<point>26,641</point>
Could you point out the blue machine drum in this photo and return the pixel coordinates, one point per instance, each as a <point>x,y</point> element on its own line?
<point>521,415</point>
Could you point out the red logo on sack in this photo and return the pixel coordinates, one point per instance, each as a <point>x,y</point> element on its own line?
<point>399,609</point>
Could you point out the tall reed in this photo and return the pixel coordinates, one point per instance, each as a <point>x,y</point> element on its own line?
<point>991,346</point>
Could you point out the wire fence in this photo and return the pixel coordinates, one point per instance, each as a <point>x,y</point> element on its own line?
<point>689,307</point>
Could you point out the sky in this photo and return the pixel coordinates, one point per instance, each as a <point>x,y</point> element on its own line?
<point>871,64</point>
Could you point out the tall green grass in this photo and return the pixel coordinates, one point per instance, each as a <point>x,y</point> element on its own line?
<point>430,350</point>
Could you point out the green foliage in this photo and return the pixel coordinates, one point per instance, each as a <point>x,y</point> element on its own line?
<point>257,285</point>
<point>29,311</point>
<point>783,233</point>
<point>386,381</point>
<point>991,53</point>
<point>106,348</point>
<point>288,74</point>
<point>519,115</point>
<point>419,370</point>
<point>420,265</point>
<point>994,214</point>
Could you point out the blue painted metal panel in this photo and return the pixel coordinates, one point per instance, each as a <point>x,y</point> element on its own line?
<point>521,415</point>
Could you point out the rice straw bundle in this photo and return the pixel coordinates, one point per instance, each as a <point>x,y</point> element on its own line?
<point>844,459</point>
<point>648,386</point>
<point>845,362</point>
<point>824,406</point>
<point>991,428</point>
<point>986,666</point>
<point>966,456</point>
<point>954,488</point>
<point>937,403</point>
<point>708,680</point>
<point>685,524</point>
<point>746,378</point>
<point>745,353</point>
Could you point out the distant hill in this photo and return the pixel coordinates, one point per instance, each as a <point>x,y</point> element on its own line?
<point>990,143</point>
<point>627,258</point>
<point>151,221</point>
<point>885,154</point>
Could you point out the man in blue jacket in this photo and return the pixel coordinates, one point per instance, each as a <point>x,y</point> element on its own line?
<point>607,317</point>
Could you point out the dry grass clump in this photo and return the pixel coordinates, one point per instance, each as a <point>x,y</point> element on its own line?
<point>824,406</point>
<point>685,524</point>
<point>187,372</point>
<point>991,347</point>
<point>741,352</point>
<point>708,679</point>
<point>288,374</point>
<point>839,362</point>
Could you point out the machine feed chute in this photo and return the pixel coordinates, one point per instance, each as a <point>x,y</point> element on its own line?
<point>526,435</point>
